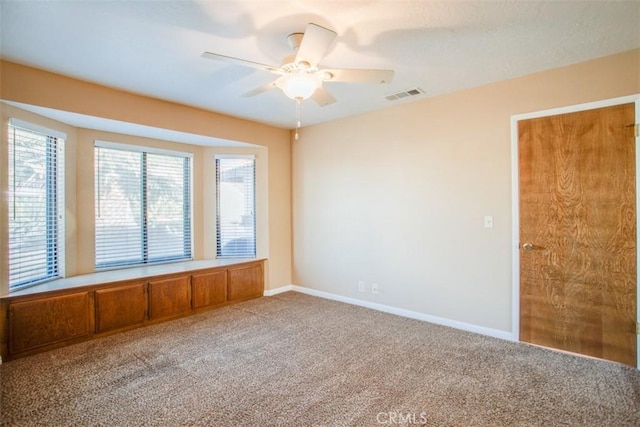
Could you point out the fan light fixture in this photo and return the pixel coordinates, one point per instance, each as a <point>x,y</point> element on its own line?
<point>298,86</point>
<point>300,76</point>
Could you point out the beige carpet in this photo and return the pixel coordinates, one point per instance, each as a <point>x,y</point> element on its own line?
<point>297,360</point>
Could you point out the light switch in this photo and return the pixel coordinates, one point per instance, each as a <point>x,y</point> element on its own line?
<point>488,221</point>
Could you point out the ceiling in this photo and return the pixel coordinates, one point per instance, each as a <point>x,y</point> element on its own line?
<point>154,47</point>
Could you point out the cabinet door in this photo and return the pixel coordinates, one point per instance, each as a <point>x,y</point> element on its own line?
<point>120,307</point>
<point>169,297</point>
<point>47,321</point>
<point>245,282</point>
<point>209,289</point>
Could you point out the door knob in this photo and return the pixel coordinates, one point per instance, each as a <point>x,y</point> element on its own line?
<point>528,246</point>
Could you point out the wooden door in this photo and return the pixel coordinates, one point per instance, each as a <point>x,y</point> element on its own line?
<point>578,232</point>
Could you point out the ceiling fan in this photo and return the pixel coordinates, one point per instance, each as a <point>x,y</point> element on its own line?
<point>300,75</point>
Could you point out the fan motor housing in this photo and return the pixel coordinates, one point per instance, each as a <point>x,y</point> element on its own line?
<point>290,65</point>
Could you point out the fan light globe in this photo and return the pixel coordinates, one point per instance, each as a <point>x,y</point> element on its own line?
<point>298,86</point>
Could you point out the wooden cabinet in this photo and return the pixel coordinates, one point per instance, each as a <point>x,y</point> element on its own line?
<point>47,321</point>
<point>120,307</point>
<point>245,282</point>
<point>169,297</point>
<point>33,321</point>
<point>209,289</point>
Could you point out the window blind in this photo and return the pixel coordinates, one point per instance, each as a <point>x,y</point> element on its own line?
<point>36,205</point>
<point>235,209</point>
<point>143,207</point>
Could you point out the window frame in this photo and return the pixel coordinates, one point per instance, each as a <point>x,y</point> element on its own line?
<point>54,217</point>
<point>187,208</point>
<point>218,243</point>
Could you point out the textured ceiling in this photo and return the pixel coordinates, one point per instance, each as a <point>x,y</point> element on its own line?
<point>154,47</point>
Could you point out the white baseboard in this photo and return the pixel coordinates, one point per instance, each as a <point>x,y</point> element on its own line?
<point>276,291</point>
<point>496,333</point>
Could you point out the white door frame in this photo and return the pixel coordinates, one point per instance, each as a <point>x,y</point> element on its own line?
<point>515,199</point>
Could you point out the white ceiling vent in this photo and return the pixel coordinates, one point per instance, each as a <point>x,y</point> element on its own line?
<point>404,94</point>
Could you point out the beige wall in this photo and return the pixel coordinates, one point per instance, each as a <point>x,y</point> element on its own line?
<point>398,196</point>
<point>36,87</point>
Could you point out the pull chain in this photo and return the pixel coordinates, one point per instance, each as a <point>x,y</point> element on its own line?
<point>297,116</point>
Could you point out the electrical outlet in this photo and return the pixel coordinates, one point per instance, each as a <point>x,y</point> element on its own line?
<point>374,288</point>
<point>361,286</point>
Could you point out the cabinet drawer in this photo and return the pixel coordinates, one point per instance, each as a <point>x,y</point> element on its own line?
<point>209,289</point>
<point>245,282</point>
<point>170,297</point>
<point>47,321</point>
<point>120,307</point>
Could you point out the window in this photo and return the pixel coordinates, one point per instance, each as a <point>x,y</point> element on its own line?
<point>143,205</point>
<point>235,211</point>
<point>36,204</point>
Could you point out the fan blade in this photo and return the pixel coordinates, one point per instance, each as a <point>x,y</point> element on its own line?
<point>315,44</point>
<point>243,62</point>
<point>261,89</point>
<point>322,97</point>
<point>358,76</point>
